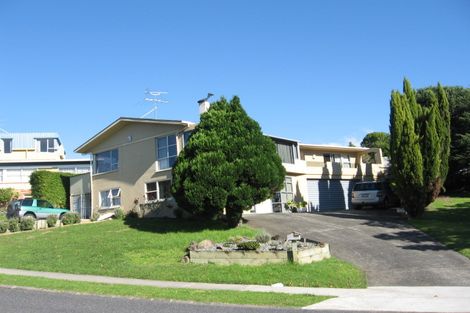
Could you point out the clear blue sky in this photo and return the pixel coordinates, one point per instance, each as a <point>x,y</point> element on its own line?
<point>317,71</point>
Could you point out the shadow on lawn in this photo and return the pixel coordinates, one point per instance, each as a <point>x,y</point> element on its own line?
<point>170,225</point>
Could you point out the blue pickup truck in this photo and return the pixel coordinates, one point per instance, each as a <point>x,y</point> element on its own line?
<point>35,208</point>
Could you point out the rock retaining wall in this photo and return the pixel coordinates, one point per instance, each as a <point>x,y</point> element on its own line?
<point>300,256</point>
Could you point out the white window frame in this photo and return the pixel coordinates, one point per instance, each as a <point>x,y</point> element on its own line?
<point>168,156</point>
<point>111,198</point>
<point>157,191</point>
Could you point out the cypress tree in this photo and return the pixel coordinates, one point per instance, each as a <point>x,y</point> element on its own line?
<point>431,148</point>
<point>407,161</point>
<point>443,129</point>
<point>419,146</point>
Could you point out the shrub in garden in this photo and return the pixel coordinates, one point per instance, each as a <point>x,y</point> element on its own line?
<point>263,237</point>
<point>95,216</point>
<point>70,218</point>
<point>6,194</point>
<point>3,226</point>
<point>132,214</point>
<point>13,225</point>
<point>51,220</point>
<point>119,214</point>
<point>248,245</point>
<point>27,223</point>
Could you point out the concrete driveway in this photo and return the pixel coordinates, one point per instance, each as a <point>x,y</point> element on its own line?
<point>387,249</point>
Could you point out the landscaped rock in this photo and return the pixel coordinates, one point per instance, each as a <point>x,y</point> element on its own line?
<point>245,253</point>
<point>206,245</point>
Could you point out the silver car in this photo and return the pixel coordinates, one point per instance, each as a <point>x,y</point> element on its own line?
<point>372,193</point>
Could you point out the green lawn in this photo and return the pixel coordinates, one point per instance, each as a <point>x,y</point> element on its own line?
<point>146,292</point>
<point>448,220</point>
<point>152,249</point>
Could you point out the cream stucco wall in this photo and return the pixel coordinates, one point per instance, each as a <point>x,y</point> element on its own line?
<point>31,154</point>
<point>137,162</point>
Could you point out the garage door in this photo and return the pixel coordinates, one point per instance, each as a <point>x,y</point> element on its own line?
<point>329,194</point>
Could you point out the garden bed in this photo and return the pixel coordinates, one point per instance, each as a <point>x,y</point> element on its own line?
<point>273,252</point>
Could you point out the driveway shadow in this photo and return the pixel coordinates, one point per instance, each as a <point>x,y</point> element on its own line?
<point>417,239</point>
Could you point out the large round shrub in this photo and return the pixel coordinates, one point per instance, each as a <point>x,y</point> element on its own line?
<point>227,163</point>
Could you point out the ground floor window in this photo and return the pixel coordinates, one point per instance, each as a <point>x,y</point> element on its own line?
<point>283,196</point>
<point>110,198</point>
<point>160,190</point>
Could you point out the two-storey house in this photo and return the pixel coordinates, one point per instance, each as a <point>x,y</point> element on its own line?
<point>133,158</point>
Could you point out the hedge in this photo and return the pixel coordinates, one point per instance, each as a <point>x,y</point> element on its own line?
<point>51,186</point>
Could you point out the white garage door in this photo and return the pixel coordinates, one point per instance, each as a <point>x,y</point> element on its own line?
<point>329,194</point>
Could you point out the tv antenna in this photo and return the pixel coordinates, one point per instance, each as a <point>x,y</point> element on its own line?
<point>152,96</point>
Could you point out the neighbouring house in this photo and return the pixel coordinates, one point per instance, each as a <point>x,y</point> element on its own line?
<point>133,157</point>
<point>321,175</point>
<point>23,153</point>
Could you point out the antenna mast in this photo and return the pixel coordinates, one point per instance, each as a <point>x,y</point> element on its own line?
<point>151,96</point>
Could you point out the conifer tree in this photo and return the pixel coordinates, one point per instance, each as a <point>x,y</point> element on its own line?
<point>419,145</point>
<point>227,164</point>
<point>443,129</point>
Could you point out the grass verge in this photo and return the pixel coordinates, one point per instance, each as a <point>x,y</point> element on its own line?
<point>152,249</point>
<point>448,220</point>
<point>145,292</point>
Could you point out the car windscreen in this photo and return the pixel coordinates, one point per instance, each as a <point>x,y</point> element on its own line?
<point>368,186</point>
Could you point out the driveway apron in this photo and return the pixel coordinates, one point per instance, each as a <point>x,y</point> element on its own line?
<point>387,249</point>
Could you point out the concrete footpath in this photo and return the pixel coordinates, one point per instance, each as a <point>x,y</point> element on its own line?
<point>396,298</point>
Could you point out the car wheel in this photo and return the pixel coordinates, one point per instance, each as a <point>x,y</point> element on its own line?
<point>30,215</point>
<point>356,207</point>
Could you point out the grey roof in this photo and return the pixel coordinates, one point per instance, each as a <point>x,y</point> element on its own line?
<point>26,140</point>
<point>121,121</point>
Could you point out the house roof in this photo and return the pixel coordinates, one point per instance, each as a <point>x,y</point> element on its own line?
<point>282,138</point>
<point>119,124</point>
<point>333,148</point>
<point>27,140</point>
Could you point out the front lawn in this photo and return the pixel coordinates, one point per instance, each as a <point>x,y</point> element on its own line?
<point>448,220</point>
<point>152,249</point>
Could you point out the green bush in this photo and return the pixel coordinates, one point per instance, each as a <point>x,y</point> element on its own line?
<point>70,218</point>
<point>52,186</point>
<point>248,245</point>
<point>27,223</point>
<point>14,225</point>
<point>119,214</point>
<point>51,220</point>
<point>263,237</point>
<point>95,216</point>
<point>3,226</point>
<point>132,214</point>
<point>3,216</point>
<point>6,194</point>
